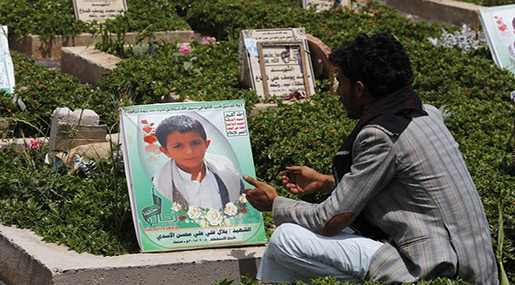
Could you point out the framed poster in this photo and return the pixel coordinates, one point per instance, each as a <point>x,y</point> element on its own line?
<point>283,68</point>
<point>6,63</point>
<point>184,164</point>
<point>499,25</point>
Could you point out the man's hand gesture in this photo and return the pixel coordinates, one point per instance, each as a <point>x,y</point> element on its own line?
<point>262,197</point>
<point>303,180</point>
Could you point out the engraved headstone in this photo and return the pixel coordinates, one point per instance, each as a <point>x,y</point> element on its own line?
<point>6,63</point>
<point>276,62</point>
<point>99,10</point>
<point>322,5</point>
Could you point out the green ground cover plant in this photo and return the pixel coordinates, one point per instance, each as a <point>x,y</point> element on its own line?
<point>468,86</point>
<point>49,18</point>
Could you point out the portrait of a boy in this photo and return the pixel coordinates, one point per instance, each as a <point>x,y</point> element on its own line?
<point>192,176</point>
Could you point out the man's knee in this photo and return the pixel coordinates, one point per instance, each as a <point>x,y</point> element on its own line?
<point>285,239</point>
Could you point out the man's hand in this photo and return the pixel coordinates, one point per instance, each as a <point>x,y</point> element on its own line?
<point>304,180</point>
<point>262,197</point>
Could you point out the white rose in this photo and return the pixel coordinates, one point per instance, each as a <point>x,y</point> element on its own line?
<point>243,198</point>
<point>203,222</point>
<point>214,217</point>
<point>176,207</point>
<point>230,209</point>
<point>226,222</point>
<point>194,212</point>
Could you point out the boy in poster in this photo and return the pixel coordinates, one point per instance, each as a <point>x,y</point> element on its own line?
<point>194,177</point>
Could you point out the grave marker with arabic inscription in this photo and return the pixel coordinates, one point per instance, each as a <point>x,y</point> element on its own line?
<point>98,10</point>
<point>322,5</point>
<point>276,62</point>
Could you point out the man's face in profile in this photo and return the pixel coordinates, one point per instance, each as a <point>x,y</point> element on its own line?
<point>349,97</point>
<point>187,149</point>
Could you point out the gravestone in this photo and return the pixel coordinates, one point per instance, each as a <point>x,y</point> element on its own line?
<point>322,5</point>
<point>98,10</point>
<point>276,62</point>
<point>6,63</point>
<point>70,129</point>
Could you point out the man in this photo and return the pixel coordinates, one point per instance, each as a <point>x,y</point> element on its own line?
<point>399,181</point>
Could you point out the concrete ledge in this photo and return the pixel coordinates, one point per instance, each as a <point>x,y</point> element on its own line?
<point>442,11</point>
<point>25,259</point>
<point>35,47</point>
<point>87,63</point>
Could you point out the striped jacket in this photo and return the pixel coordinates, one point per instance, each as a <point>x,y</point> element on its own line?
<point>417,189</point>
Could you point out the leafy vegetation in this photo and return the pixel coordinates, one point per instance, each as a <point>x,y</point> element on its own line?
<point>469,86</point>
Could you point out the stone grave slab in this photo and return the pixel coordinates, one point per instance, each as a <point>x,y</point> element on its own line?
<point>35,47</point>
<point>276,62</point>
<point>26,259</point>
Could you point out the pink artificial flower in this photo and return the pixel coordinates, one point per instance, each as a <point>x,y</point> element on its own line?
<point>35,143</point>
<point>208,41</point>
<point>152,148</point>
<point>185,49</point>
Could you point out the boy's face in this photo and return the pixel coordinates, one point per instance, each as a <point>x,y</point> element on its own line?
<point>187,149</point>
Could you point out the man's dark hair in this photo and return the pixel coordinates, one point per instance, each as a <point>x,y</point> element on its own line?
<point>181,124</point>
<point>379,62</point>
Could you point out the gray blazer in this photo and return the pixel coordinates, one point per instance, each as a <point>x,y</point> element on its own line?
<point>417,189</point>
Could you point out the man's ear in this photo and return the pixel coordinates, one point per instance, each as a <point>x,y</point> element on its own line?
<point>359,88</point>
<point>208,142</point>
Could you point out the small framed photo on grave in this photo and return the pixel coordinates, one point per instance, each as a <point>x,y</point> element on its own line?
<point>98,10</point>
<point>184,164</point>
<point>250,64</point>
<point>283,69</point>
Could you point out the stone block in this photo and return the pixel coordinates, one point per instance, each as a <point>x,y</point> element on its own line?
<point>442,11</point>
<point>87,63</point>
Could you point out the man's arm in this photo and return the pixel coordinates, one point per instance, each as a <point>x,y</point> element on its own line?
<point>373,167</point>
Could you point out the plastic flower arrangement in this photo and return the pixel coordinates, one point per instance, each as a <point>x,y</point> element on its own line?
<point>207,217</point>
<point>185,49</point>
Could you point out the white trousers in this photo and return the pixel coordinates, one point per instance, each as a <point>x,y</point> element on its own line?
<point>296,254</point>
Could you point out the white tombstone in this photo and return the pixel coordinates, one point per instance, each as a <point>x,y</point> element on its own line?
<point>322,5</point>
<point>98,10</point>
<point>276,62</point>
<point>74,128</point>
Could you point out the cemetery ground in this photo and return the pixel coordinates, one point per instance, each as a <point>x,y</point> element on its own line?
<point>85,206</point>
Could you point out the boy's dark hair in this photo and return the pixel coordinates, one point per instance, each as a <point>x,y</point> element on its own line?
<point>181,124</point>
<point>379,62</point>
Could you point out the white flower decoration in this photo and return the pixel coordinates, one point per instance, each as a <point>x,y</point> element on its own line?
<point>176,207</point>
<point>194,212</point>
<point>203,222</point>
<point>230,209</point>
<point>243,198</point>
<point>226,222</point>
<point>214,217</point>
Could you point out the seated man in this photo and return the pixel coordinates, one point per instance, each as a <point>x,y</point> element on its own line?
<point>399,182</point>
